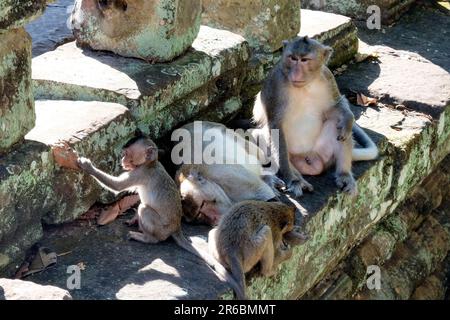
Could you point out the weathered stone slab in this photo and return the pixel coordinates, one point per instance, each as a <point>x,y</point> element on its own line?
<point>27,290</point>
<point>391,10</point>
<point>395,80</point>
<point>334,30</point>
<point>16,96</point>
<point>94,129</point>
<point>15,13</point>
<point>265,24</point>
<point>52,28</point>
<point>153,30</point>
<point>26,193</point>
<point>412,262</point>
<point>146,89</point>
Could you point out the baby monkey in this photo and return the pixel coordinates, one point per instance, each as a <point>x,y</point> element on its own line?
<point>254,232</point>
<point>159,213</point>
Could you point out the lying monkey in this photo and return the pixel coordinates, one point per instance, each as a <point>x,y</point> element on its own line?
<point>254,232</point>
<point>159,214</point>
<point>301,99</point>
<point>209,190</point>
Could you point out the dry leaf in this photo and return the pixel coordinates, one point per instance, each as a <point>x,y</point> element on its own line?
<point>365,101</point>
<point>65,156</point>
<point>110,213</point>
<point>81,265</point>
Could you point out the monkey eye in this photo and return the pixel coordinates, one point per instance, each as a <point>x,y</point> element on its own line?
<point>293,58</point>
<point>305,59</point>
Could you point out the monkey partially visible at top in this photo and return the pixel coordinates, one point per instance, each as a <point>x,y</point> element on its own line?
<point>252,233</point>
<point>300,97</point>
<point>159,213</point>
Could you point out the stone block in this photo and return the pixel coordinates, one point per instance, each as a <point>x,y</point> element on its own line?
<point>17,115</point>
<point>16,13</point>
<point>27,290</point>
<point>146,89</point>
<point>264,23</point>
<point>152,30</point>
<point>26,194</point>
<point>94,129</point>
<point>391,10</point>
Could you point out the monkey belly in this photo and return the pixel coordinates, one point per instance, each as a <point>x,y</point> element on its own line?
<point>321,156</point>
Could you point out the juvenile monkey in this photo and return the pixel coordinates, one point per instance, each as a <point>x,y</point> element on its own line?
<point>209,190</point>
<point>159,213</point>
<point>254,232</point>
<point>300,97</point>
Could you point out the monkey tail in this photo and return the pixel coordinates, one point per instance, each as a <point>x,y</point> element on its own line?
<point>212,263</point>
<point>238,272</point>
<point>369,150</point>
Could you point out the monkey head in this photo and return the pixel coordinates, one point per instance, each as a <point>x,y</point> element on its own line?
<point>137,152</point>
<point>287,218</point>
<point>195,207</point>
<point>302,59</point>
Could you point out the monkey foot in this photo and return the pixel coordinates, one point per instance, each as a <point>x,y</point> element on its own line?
<point>296,187</point>
<point>346,183</point>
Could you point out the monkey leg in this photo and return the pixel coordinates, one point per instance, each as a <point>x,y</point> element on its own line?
<point>134,220</point>
<point>263,250</point>
<point>344,176</point>
<point>283,253</point>
<point>150,225</point>
<point>142,237</point>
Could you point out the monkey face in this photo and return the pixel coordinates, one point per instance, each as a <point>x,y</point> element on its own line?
<point>138,153</point>
<point>302,58</point>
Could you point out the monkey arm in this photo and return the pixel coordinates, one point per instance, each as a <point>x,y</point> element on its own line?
<point>114,184</point>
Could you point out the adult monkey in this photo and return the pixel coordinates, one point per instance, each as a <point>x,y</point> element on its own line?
<point>300,97</point>
<point>209,190</point>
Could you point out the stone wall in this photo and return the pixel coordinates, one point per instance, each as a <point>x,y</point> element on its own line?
<point>410,247</point>
<point>391,10</point>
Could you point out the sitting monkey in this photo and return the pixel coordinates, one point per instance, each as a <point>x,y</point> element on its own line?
<point>159,213</point>
<point>300,99</point>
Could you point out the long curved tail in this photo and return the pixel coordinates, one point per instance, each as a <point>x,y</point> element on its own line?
<point>369,150</point>
<point>212,263</point>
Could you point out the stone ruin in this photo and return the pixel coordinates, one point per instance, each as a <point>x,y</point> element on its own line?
<point>152,30</point>
<point>94,101</point>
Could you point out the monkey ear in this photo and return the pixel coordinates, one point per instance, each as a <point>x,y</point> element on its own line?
<point>151,154</point>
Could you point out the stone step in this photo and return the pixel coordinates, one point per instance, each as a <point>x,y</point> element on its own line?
<point>14,14</point>
<point>391,10</point>
<point>32,184</point>
<point>67,73</point>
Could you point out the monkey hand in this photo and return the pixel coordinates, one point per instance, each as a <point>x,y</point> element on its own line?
<point>295,237</point>
<point>85,164</point>
<point>344,127</point>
